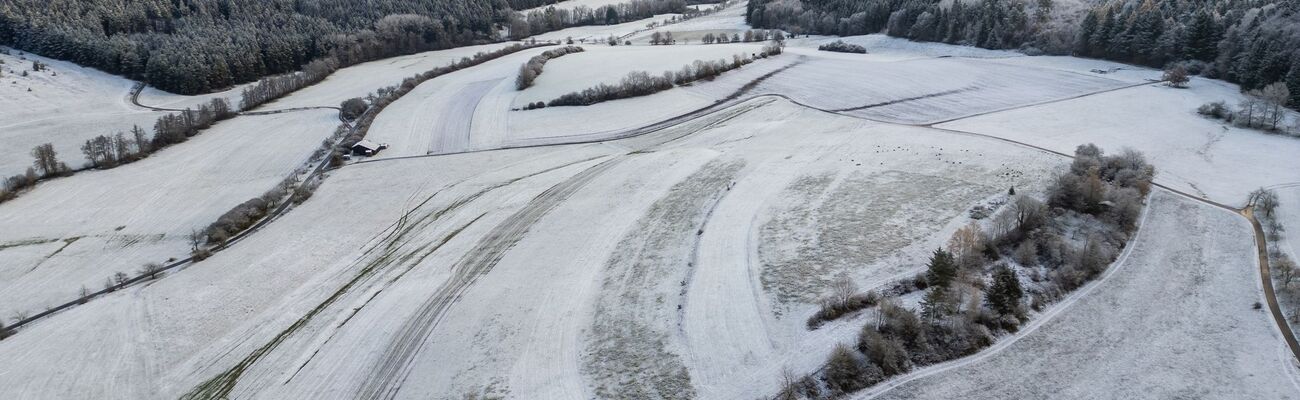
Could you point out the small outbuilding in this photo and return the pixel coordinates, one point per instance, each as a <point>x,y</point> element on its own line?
<point>368,148</point>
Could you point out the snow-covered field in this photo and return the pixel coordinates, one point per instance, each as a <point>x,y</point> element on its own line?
<point>116,220</point>
<point>487,266</point>
<point>1194,154</point>
<point>598,34</point>
<point>63,105</point>
<point>1174,320</point>
<point>927,90</point>
<point>681,262</point>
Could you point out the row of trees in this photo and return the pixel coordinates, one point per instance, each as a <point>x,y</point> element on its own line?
<point>109,151</point>
<point>641,83</point>
<point>551,19</point>
<point>978,286</point>
<point>274,87</point>
<point>533,68</point>
<point>1252,43</point>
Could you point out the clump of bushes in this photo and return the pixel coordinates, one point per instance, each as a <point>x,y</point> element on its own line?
<point>353,108</point>
<point>246,214</point>
<point>533,68</point>
<point>843,299</point>
<point>839,46</point>
<point>1216,110</point>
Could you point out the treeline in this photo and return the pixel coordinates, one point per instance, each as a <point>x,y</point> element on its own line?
<point>991,274</point>
<point>533,68</point>
<point>110,151</point>
<point>274,87</point>
<point>1252,43</point>
<point>989,24</point>
<point>550,19</point>
<point>641,83</point>
<point>200,46</point>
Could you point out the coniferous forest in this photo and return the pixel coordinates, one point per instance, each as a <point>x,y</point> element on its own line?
<point>197,46</point>
<point>1250,42</point>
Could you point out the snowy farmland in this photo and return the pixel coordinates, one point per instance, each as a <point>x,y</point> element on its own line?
<point>721,175</point>
<point>665,246</point>
<point>117,220</point>
<point>63,105</point>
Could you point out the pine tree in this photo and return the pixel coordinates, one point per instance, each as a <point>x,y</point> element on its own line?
<point>1005,294</point>
<point>1087,33</point>
<point>936,304</point>
<point>1202,40</point>
<point>1293,81</point>
<point>941,270</point>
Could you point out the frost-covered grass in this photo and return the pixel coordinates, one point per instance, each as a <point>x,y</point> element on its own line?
<point>1133,333</point>
<point>832,224</point>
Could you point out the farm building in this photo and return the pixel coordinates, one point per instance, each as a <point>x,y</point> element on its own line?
<point>367,148</point>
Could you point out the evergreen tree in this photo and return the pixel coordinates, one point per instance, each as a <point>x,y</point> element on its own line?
<point>941,270</point>
<point>1005,293</point>
<point>1293,81</point>
<point>1202,40</point>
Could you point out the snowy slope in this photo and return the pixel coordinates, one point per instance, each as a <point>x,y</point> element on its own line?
<point>63,105</point>
<point>116,220</point>
<point>1195,154</point>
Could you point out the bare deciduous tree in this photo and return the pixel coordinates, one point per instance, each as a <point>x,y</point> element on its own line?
<point>46,160</point>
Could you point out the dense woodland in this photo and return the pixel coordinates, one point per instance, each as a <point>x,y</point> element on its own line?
<point>197,46</point>
<point>1252,42</point>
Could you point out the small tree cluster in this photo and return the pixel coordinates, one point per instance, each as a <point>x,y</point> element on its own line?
<point>1264,108</point>
<point>659,38</point>
<point>353,108</point>
<point>843,299</point>
<point>840,46</point>
<point>176,128</point>
<point>243,216</point>
<point>45,165</point>
<point>274,87</point>
<point>533,68</point>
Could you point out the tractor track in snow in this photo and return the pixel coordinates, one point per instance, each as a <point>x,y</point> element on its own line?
<point>395,366</point>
